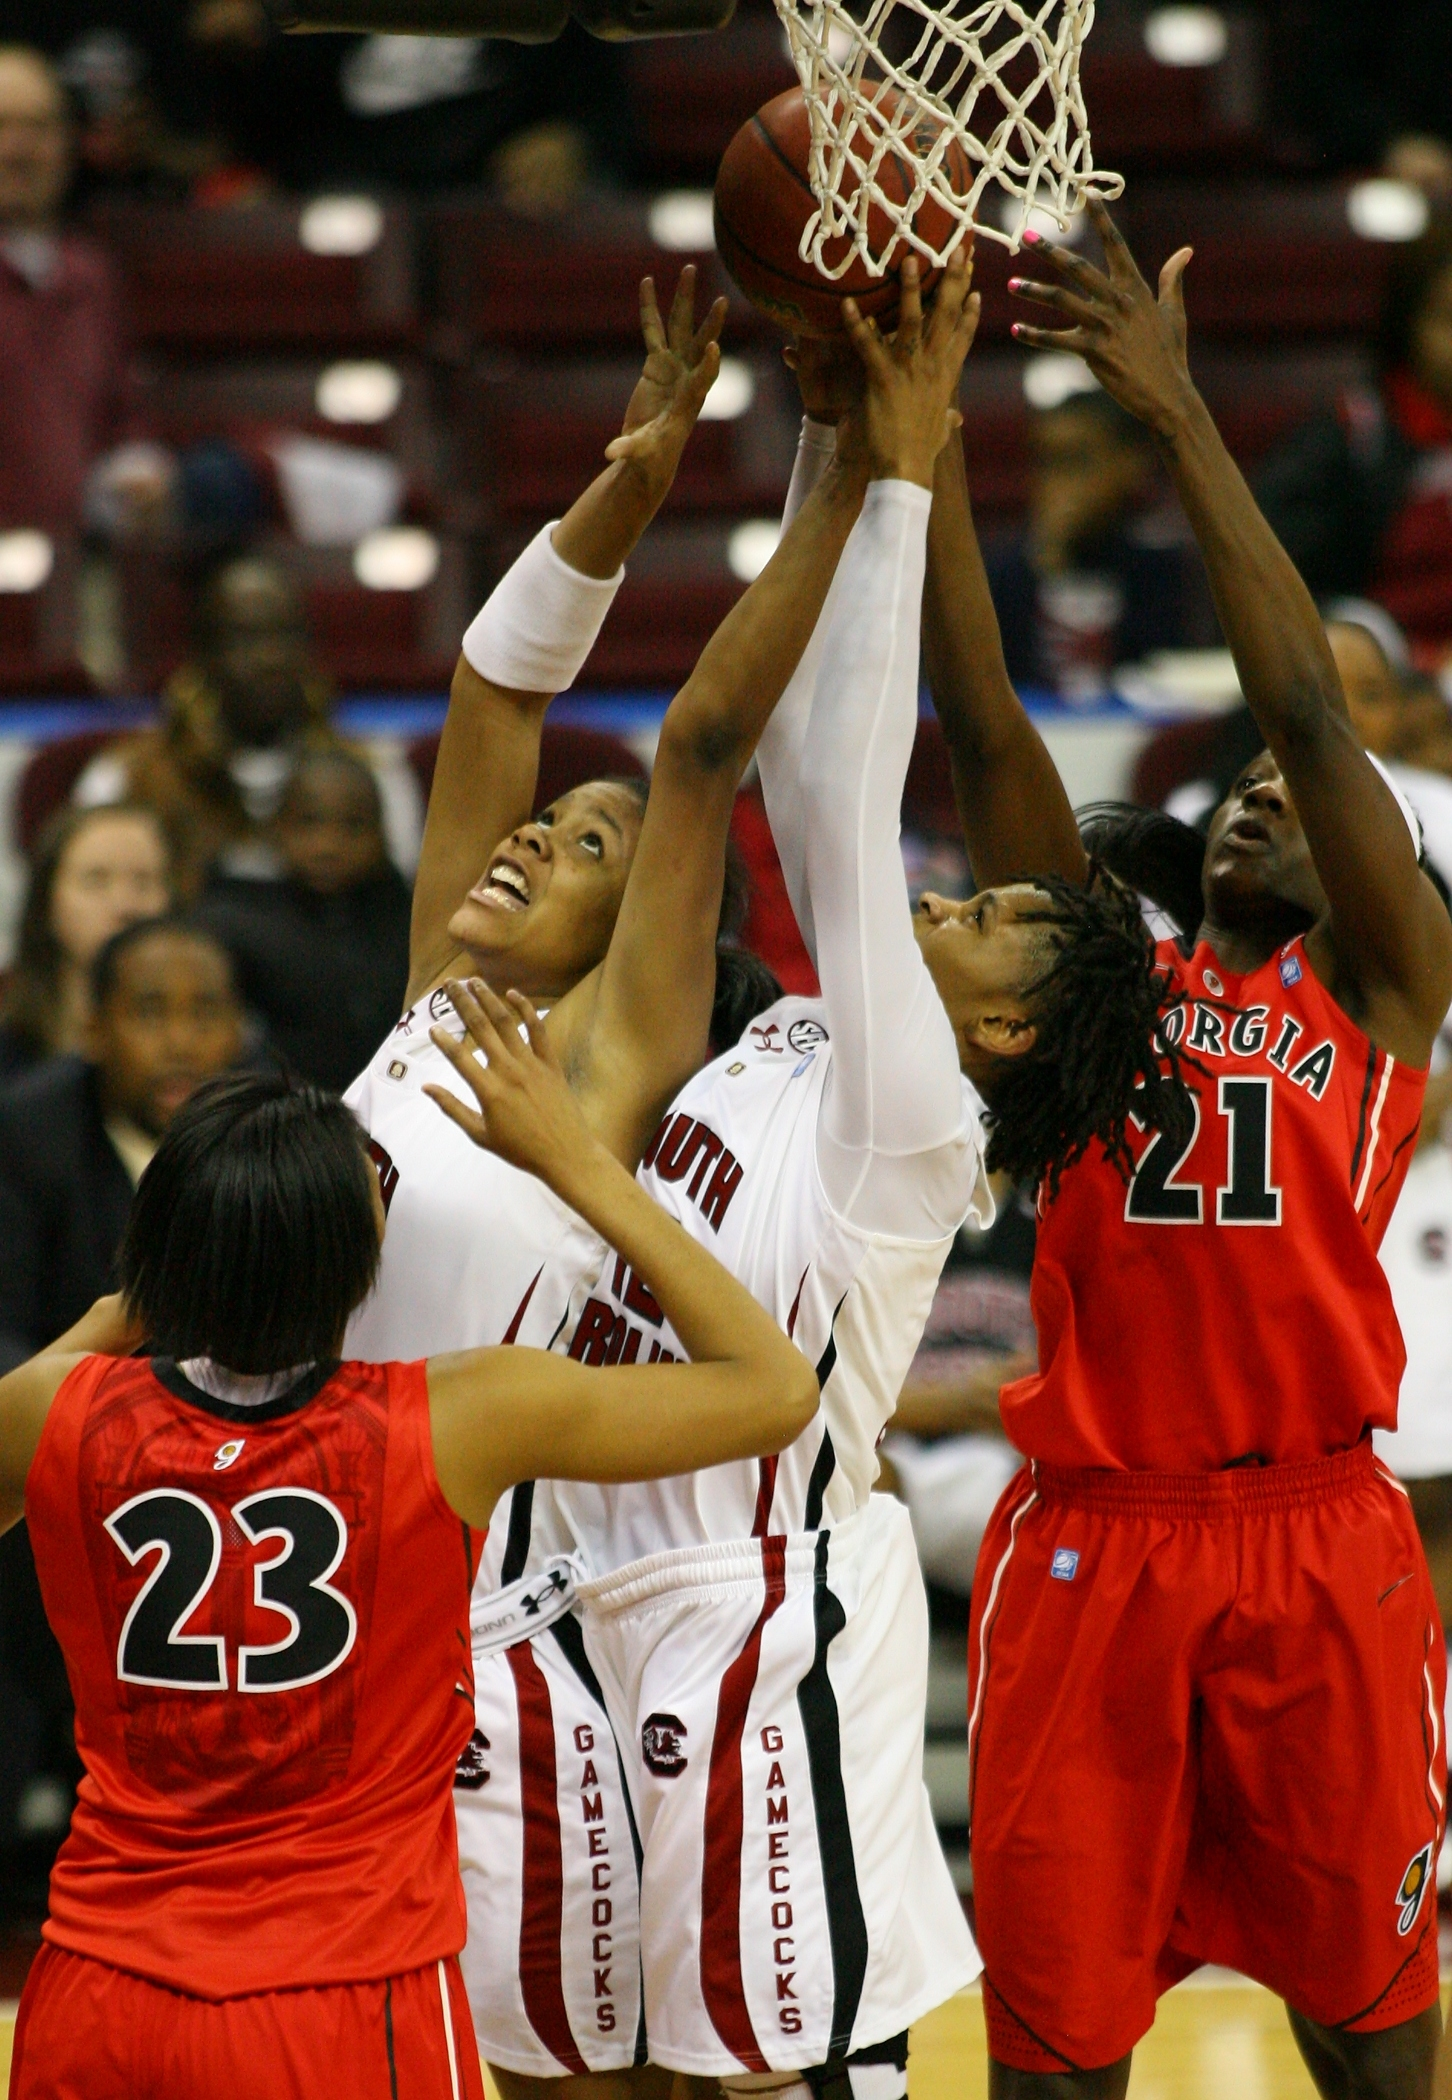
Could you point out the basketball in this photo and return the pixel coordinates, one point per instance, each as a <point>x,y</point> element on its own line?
<point>763,200</point>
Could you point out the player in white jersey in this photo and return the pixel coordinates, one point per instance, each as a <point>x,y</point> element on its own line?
<point>760,1632</point>
<point>606,915</point>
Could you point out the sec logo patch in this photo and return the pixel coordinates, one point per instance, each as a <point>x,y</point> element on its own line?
<point>806,1035</point>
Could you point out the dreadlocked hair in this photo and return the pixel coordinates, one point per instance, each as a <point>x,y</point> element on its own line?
<point>1099,1052</point>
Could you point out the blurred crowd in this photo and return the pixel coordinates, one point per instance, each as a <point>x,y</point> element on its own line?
<point>230,880</point>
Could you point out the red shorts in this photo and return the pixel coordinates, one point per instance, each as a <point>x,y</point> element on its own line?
<point>90,2032</point>
<point>1205,1725</point>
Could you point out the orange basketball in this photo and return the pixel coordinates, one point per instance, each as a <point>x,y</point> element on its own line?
<point>763,200</point>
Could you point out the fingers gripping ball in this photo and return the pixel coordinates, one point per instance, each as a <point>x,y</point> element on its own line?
<point>764,200</point>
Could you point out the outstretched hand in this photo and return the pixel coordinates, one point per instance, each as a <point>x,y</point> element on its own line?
<point>526,1111</point>
<point>681,364</point>
<point>1133,342</point>
<point>829,375</point>
<point>912,375</point>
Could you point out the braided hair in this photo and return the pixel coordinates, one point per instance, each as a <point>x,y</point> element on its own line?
<point>1099,1053</point>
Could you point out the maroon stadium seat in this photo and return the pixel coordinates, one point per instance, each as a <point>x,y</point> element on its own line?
<point>689,95</point>
<point>569,753</point>
<point>38,633</point>
<point>1184,751</point>
<point>536,437</point>
<point>247,402</point>
<point>559,285</point>
<point>238,279</point>
<point>49,778</point>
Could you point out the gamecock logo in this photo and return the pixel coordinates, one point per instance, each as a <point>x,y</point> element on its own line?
<point>660,1745</point>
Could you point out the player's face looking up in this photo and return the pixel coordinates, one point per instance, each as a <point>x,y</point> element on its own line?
<point>984,955</point>
<point>550,893</point>
<point>168,1021</point>
<point>1258,868</point>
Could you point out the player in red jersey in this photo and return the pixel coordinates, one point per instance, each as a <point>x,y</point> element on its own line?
<point>1206,1673</point>
<point>258,1562</point>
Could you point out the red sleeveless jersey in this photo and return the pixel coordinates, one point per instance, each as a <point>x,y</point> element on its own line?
<point>265,1618</point>
<point>1229,1302</point>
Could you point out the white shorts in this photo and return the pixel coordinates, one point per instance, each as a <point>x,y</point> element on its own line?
<point>768,1696</point>
<point>550,1862</point>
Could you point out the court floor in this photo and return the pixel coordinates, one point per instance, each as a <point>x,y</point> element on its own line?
<point>1211,2039</point>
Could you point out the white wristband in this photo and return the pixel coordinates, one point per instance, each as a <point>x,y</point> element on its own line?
<point>539,622</point>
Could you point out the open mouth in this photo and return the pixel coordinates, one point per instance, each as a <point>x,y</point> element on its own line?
<point>506,887</point>
<point>1246,833</point>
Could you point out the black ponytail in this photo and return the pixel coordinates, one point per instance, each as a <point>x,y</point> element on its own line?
<point>745,987</point>
<point>1151,853</point>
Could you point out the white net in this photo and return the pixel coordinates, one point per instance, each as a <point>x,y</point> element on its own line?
<point>980,104</point>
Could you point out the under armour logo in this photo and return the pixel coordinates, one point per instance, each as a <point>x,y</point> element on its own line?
<point>533,1601</point>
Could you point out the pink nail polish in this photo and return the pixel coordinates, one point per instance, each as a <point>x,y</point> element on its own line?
<point>1015,284</point>
<point>1032,239</point>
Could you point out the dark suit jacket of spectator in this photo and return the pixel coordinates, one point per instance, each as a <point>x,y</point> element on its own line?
<point>1342,496</point>
<point>326,975</point>
<point>64,1201</point>
<point>1165,603</point>
<point>65,397</point>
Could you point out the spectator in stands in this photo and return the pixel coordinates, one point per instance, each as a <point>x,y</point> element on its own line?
<point>66,425</point>
<point>1400,721</point>
<point>1096,578</point>
<point>1358,496</point>
<point>235,720</point>
<point>75,1135</point>
<point>321,953</point>
<point>93,872</point>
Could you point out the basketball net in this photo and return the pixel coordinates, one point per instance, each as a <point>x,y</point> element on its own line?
<point>867,108</point>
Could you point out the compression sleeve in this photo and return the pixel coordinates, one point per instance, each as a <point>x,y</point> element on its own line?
<point>897,1145</point>
<point>779,752</point>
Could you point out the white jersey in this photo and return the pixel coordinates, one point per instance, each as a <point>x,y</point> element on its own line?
<point>735,1163</point>
<point>1417,1257</point>
<point>476,1252</point>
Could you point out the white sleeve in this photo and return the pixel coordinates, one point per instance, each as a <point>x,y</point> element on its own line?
<point>779,753</point>
<point>897,1144</point>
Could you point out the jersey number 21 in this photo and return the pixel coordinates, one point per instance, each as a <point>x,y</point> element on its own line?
<point>1249,1196</point>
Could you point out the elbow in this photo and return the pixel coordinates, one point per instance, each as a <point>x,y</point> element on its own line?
<point>706,739</point>
<point>801,1397</point>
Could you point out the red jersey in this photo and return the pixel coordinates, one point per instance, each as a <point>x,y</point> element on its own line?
<point>265,1618</point>
<point>1229,1304</point>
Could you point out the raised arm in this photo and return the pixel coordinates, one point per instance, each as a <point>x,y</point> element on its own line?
<point>779,752</point>
<point>27,1391</point>
<point>503,1415</point>
<point>895,1149</point>
<point>540,624</point>
<point>1390,939</point>
<point>636,1029</point>
<point>1016,817</point>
